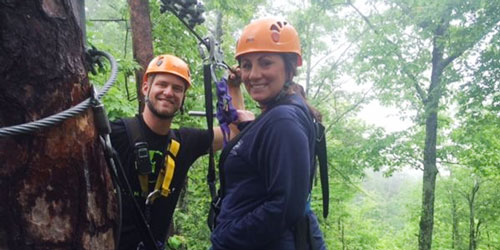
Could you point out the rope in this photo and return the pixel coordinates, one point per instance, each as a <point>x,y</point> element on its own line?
<point>28,128</point>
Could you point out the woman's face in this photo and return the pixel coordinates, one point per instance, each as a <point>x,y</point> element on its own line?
<point>263,75</point>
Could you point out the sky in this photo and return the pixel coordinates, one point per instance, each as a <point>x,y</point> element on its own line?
<point>385,117</point>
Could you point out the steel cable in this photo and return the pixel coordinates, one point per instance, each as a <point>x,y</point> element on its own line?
<point>55,119</point>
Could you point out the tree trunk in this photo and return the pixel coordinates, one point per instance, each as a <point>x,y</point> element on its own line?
<point>431,124</point>
<point>472,224</point>
<point>429,180</point>
<point>455,237</point>
<point>55,188</point>
<point>142,41</point>
<point>340,227</point>
<point>309,55</point>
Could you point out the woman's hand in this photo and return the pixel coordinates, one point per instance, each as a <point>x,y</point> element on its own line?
<point>234,78</point>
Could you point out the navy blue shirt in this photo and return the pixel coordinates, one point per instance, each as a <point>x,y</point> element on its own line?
<point>267,181</point>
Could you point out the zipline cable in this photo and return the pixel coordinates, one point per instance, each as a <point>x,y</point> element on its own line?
<point>28,128</point>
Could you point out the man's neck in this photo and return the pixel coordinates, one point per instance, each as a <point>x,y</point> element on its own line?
<point>156,124</point>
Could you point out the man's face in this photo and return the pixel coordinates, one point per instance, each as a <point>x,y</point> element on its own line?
<point>164,94</point>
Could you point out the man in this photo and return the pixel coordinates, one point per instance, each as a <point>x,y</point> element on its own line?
<point>147,139</point>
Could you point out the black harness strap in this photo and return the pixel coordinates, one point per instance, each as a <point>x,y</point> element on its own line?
<point>134,133</point>
<point>207,77</point>
<point>134,129</point>
<point>320,151</point>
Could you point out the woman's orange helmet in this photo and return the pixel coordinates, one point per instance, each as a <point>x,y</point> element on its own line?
<point>269,35</point>
<point>169,64</point>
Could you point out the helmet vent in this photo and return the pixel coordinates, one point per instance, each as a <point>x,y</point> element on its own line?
<point>275,28</point>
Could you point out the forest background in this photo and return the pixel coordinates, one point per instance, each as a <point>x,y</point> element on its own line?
<point>435,64</point>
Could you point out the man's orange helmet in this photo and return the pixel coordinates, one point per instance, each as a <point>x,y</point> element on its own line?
<point>169,64</point>
<point>269,35</point>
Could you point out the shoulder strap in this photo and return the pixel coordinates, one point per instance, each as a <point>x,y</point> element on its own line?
<point>170,157</point>
<point>135,134</point>
<point>134,130</point>
<point>320,150</point>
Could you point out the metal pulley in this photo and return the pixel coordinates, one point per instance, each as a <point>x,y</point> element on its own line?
<point>189,11</point>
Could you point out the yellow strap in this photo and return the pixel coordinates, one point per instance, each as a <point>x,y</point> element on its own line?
<point>174,147</point>
<point>170,167</point>
<point>161,175</point>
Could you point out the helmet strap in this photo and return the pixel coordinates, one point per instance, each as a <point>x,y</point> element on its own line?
<point>181,108</point>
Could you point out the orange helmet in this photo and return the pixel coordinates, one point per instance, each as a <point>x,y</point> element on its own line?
<point>169,64</point>
<point>269,35</point>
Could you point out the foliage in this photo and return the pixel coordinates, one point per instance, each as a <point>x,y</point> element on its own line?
<point>107,30</point>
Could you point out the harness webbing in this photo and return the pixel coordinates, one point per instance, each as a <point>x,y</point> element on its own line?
<point>207,76</point>
<point>173,149</point>
<point>323,166</point>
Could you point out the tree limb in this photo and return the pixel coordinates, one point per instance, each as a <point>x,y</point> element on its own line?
<point>420,91</point>
<point>354,106</point>
<point>348,180</point>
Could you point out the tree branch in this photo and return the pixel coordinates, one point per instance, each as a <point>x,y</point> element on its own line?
<point>348,180</point>
<point>108,20</point>
<point>420,91</point>
<point>354,106</point>
<point>449,162</point>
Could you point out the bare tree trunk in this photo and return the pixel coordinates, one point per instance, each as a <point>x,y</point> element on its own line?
<point>431,125</point>
<point>309,56</point>
<point>472,224</point>
<point>429,178</point>
<point>55,188</point>
<point>340,227</point>
<point>455,237</point>
<point>142,41</point>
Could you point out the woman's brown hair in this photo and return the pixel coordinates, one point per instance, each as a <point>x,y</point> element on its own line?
<point>290,60</point>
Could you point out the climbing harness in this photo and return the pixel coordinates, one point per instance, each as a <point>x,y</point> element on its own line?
<point>143,164</point>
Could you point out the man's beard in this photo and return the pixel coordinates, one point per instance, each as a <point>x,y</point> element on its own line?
<point>157,114</point>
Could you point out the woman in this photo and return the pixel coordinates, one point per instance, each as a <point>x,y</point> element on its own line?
<point>266,171</point>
